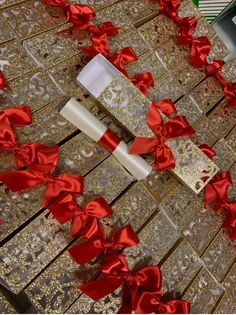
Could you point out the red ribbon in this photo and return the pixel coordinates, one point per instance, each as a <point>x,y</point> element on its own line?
<point>217,189</point>
<point>199,51</point>
<point>143,81</point>
<point>83,219</point>
<point>55,185</point>
<point>109,140</point>
<point>170,7</point>
<point>214,69</point>
<point>186,27</point>
<point>207,150</point>
<point>78,14</point>
<point>122,58</point>
<point>17,116</point>
<point>3,83</point>
<point>106,28</point>
<point>86,251</point>
<point>175,127</point>
<point>230,222</point>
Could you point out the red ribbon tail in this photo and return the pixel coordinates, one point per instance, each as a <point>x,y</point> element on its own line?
<point>84,252</point>
<point>207,150</point>
<point>20,180</point>
<point>143,145</point>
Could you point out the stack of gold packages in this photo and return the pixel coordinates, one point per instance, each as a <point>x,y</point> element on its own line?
<point>166,209</point>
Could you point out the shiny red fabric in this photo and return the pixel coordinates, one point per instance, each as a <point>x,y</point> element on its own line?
<point>170,7</point>
<point>143,81</point>
<point>109,140</point>
<point>186,27</point>
<point>55,185</point>
<point>3,83</point>
<point>78,14</point>
<point>83,219</point>
<point>199,51</point>
<point>175,127</point>
<point>207,150</point>
<point>217,189</point>
<point>122,58</point>
<point>17,116</point>
<point>86,251</point>
<point>106,28</point>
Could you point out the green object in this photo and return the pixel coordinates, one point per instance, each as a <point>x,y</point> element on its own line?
<point>196,2</point>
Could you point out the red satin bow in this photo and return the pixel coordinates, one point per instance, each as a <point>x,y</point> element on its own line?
<point>186,27</point>
<point>214,69</point>
<point>143,81</point>
<point>199,51</point>
<point>86,251</point>
<point>106,28</point>
<point>3,83</point>
<point>217,189</point>
<point>230,222</point>
<point>79,15</point>
<point>55,185</point>
<point>207,150</point>
<point>83,220</point>
<point>17,116</point>
<point>170,7</point>
<point>175,127</point>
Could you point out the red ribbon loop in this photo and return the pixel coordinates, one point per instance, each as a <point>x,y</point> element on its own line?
<point>55,186</point>
<point>175,127</point>
<point>170,7</point>
<point>83,219</point>
<point>106,28</point>
<point>122,58</point>
<point>86,251</point>
<point>186,27</point>
<point>199,51</point>
<point>143,81</point>
<point>217,189</point>
<point>99,46</point>
<point>3,83</point>
<point>17,116</point>
<point>207,150</point>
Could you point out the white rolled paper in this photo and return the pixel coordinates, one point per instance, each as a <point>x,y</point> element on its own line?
<point>80,117</point>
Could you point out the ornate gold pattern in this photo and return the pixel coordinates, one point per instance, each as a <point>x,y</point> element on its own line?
<point>5,306</point>
<point>5,31</point>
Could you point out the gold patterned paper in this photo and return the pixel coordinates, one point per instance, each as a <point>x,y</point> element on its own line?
<point>225,156</point>
<point>32,17</point>
<point>129,107</point>
<point>203,293</point>
<point>5,306</point>
<point>231,139</point>
<point>203,28</point>
<point>97,4</point>
<point>228,70</point>
<point>218,51</point>
<point>5,31</point>
<point>185,106</point>
<point>204,132</point>
<point>14,60</point>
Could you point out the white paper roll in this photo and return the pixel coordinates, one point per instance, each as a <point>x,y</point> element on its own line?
<point>80,117</point>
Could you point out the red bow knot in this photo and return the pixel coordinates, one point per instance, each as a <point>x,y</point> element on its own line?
<point>122,58</point>
<point>207,150</point>
<point>186,27</point>
<point>86,251</point>
<point>217,189</point>
<point>84,219</point>
<point>79,15</point>
<point>143,81</point>
<point>55,185</point>
<point>3,83</point>
<point>175,127</point>
<point>199,51</point>
<point>106,28</point>
<point>170,7</point>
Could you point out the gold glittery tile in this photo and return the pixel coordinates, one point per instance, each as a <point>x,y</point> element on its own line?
<point>7,161</point>
<point>126,104</point>
<point>207,94</point>
<point>65,73</point>
<point>32,17</point>
<point>231,139</point>
<point>5,306</point>
<point>172,54</point>
<point>80,155</point>
<point>147,62</point>
<point>49,48</point>
<point>35,89</point>
<point>97,4</point>
<point>188,8</point>
<point>187,75</point>
<point>218,51</point>
<point>185,106</point>
<point>180,205</point>
<point>160,184</point>
<point>158,31</point>
<point>116,14</point>
<point>48,126</point>
<point>227,305</point>
<point>203,293</point>
<point>228,70</point>
<point>202,228</point>
<point>156,239</point>
<point>127,39</point>
<point>225,156</point>
<point>134,207</point>
<point>108,179</point>
<point>219,256</point>
<point>26,254</point>
<point>204,28</point>
<point>139,11</point>
<point>180,268</point>
<point>17,208</point>
<point>5,31</point>
<point>57,287</point>
<point>14,60</point>
<point>6,3</point>
<point>220,122</point>
<point>204,132</point>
